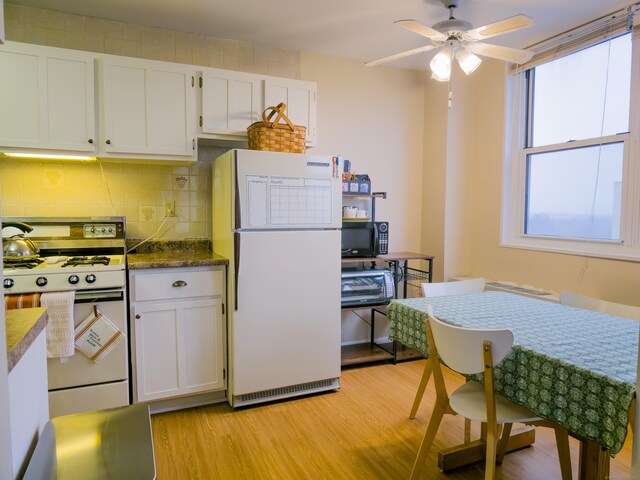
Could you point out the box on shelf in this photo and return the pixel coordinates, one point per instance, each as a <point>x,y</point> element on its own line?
<point>360,185</point>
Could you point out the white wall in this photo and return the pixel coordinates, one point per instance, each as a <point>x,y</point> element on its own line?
<point>375,118</point>
<point>612,280</point>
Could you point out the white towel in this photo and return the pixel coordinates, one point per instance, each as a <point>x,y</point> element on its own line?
<point>60,328</point>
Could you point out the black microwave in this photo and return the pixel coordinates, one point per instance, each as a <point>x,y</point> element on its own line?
<point>365,239</point>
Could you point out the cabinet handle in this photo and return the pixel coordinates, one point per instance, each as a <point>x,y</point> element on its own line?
<point>91,140</point>
<point>179,283</point>
<point>108,142</point>
<point>137,316</point>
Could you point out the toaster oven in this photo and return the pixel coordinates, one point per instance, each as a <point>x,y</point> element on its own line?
<point>367,287</point>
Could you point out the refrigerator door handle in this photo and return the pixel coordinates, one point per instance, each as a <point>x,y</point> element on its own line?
<point>238,207</point>
<point>236,265</point>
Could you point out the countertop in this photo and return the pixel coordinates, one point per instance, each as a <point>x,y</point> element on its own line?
<point>174,259</point>
<point>23,327</point>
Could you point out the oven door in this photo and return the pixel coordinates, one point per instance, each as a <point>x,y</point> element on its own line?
<point>78,370</point>
<point>365,287</point>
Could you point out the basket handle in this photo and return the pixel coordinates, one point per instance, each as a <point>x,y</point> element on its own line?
<point>280,108</point>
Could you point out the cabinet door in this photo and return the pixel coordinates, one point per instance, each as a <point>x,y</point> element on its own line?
<point>47,100</point>
<point>231,101</point>
<point>202,346</point>
<point>179,348</point>
<point>300,97</point>
<point>148,108</point>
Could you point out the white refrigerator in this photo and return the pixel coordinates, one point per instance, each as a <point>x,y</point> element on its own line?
<point>277,218</point>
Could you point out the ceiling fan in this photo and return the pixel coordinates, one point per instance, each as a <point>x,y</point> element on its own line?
<point>458,39</point>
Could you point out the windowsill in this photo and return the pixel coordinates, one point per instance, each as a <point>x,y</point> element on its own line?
<point>583,250</point>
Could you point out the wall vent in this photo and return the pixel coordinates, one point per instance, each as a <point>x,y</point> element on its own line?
<point>285,392</point>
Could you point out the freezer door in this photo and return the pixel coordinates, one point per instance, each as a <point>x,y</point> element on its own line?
<point>286,329</point>
<point>287,190</point>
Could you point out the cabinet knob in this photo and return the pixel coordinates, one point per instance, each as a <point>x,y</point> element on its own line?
<point>108,142</point>
<point>137,316</point>
<point>91,140</point>
<point>179,283</point>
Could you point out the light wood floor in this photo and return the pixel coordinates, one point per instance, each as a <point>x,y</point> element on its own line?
<point>361,431</point>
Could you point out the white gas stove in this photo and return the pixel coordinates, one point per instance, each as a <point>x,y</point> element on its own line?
<point>88,256</point>
<point>75,254</point>
<point>58,273</point>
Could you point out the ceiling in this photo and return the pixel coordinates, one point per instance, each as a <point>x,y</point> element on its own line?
<point>361,30</point>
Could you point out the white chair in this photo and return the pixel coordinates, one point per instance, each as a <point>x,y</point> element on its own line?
<point>470,351</point>
<point>460,287</point>
<point>595,304</point>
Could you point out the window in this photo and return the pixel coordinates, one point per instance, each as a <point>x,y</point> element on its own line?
<point>570,183</point>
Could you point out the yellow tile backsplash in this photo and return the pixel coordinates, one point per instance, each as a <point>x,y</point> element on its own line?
<point>137,191</point>
<point>56,29</point>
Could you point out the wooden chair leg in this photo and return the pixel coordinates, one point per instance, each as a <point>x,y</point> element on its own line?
<point>490,463</point>
<point>426,374</point>
<point>427,440</point>
<point>632,415</point>
<point>564,455</point>
<point>504,440</point>
<point>467,431</point>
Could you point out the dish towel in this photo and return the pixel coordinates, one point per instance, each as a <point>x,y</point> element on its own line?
<point>96,336</point>
<point>60,328</point>
<point>21,300</point>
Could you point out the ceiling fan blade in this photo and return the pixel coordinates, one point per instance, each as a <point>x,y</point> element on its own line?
<point>397,56</point>
<point>420,29</point>
<point>508,25</point>
<point>508,54</point>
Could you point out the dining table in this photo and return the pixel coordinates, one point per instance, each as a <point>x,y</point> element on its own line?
<point>572,366</point>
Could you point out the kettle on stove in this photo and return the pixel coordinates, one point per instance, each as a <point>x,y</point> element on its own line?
<point>17,245</point>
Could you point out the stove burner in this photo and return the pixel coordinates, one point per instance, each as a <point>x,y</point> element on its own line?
<point>78,261</point>
<point>10,262</point>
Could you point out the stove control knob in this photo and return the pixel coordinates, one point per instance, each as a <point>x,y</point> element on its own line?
<point>8,282</point>
<point>74,279</point>
<point>91,278</point>
<point>41,281</point>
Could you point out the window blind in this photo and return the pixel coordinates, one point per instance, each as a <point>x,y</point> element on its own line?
<point>584,36</point>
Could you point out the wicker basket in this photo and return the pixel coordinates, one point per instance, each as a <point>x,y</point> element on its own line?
<point>274,136</point>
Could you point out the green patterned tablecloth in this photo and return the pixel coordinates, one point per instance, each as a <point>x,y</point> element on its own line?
<point>572,366</point>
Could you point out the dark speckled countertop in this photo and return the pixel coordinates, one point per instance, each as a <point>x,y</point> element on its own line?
<point>23,327</point>
<point>173,254</point>
<point>174,259</point>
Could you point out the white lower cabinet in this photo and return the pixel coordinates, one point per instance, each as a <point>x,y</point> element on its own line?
<point>28,404</point>
<point>178,332</point>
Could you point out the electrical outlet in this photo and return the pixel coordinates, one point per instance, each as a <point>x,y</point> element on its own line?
<point>169,208</point>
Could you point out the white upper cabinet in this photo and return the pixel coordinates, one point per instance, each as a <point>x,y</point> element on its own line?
<point>147,109</point>
<point>300,98</point>
<point>141,110</point>
<point>47,99</point>
<point>230,102</point>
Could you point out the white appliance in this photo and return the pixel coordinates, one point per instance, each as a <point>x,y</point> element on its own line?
<point>277,217</point>
<point>87,255</point>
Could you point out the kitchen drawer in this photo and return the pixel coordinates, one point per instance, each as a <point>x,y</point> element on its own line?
<point>177,284</point>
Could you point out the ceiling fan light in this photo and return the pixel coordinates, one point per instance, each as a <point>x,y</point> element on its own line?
<point>468,61</point>
<point>441,66</point>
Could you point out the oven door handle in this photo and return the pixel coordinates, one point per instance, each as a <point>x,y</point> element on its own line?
<point>90,296</point>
